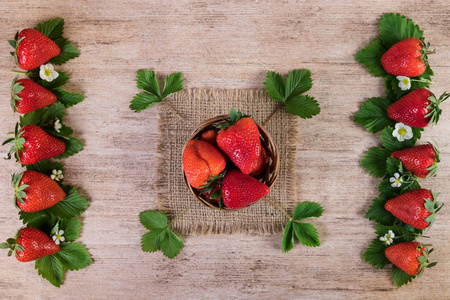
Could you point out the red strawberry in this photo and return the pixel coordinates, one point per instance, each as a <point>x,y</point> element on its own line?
<point>201,160</point>
<point>33,49</point>
<point>36,191</point>
<point>415,208</point>
<point>30,244</point>
<point>28,96</point>
<point>239,139</point>
<point>32,144</point>
<point>239,189</point>
<point>406,256</point>
<point>406,58</point>
<point>419,160</point>
<point>417,109</point>
<point>207,194</point>
<point>209,136</point>
<point>261,163</point>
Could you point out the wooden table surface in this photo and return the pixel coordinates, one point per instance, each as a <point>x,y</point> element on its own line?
<point>223,45</point>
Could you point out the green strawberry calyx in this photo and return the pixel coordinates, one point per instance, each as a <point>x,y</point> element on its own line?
<point>15,44</point>
<point>12,245</point>
<point>424,262</point>
<point>434,167</point>
<point>234,117</point>
<point>212,182</point>
<point>432,206</point>
<point>16,88</point>
<point>18,141</point>
<point>424,51</point>
<point>435,111</point>
<point>19,189</point>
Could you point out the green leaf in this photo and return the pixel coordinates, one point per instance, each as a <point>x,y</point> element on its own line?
<point>150,241</point>
<point>173,84</point>
<point>53,29</point>
<point>43,116</point>
<point>400,277</point>
<point>35,219</point>
<point>374,254</point>
<point>68,51</point>
<point>143,101</point>
<point>396,27</point>
<point>392,144</point>
<point>46,167</point>
<point>170,244</point>
<point>275,86</point>
<point>375,161</point>
<point>373,115</point>
<point>288,237</point>
<point>307,234</point>
<point>73,256</point>
<point>147,81</point>
<point>378,213</point>
<point>72,228</point>
<point>51,269</point>
<point>303,106</point>
<point>307,209</point>
<point>393,166</point>
<point>402,234</point>
<point>73,146</point>
<point>66,98</point>
<point>153,220</point>
<point>71,206</point>
<point>370,57</point>
<point>297,82</point>
<point>57,82</point>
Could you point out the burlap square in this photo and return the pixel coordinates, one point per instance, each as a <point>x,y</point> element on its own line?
<point>173,195</point>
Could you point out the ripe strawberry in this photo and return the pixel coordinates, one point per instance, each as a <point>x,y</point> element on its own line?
<point>33,49</point>
<point>28,96</point>
<point>407,255</point>
<point>415,208</point>
<point>239,139</point>
<point>421,161</point>
<point>209,136</point>
<point>261,163</point>
<point>417,109</point>
<point>32,144</point>
<point>201,160</point>
<point>30,244</point>
<point>239,189</point>
<point>406,58</point>
<point>36,191</point>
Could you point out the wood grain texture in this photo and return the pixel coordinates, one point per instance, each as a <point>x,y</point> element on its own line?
<point>223,45</point>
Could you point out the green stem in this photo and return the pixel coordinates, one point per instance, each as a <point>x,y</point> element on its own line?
<point>173,110</point>
<point>173,221</point>
<point>18,72</point>
<point>277,206</point>
<point>273,114</point>
<point>422,80</point>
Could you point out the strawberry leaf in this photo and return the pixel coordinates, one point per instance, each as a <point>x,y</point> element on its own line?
<point>297,82</point>
<point>374,254</point>
<point>147,81</point>
<point>72,228</point>
<point>275,86</point>
<point>71,206</point>
<point>73,256</point>
<point>370,57</point>
<point>170,243</point>
<point>400,277</point>
<point>36,219</point>
<point>150,241</point>
<point>402,234</point>
<point>143,101</point>
<point>57,82</point>
<point>43,116</point>
<point>378,213</point>
<point>46,167</point>
<point>303,106</point>
<point>68,51</point>
<point>373,114</point>
<point>73,146</point>
<point>288,237</point>
<point>173,84</point>
<point>153,220</point>
<point>396,27</point>
<point>66,98</point>
<point>392,144</point>
<point>51,269</point>
<point>53,29</point>
<point>307,209</point>
<point>374,161</point>
<point>307,234</point>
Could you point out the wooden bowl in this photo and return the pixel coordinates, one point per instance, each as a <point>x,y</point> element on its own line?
<point>268,177</point>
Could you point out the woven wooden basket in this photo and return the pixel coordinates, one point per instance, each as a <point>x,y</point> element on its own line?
<point>268,177</point>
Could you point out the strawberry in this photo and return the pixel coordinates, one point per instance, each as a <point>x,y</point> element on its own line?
<point>28,96</point>
<point>239,140</point>
<point>33,49</point>
<point>407,256</point>
<point>239,189</point>
<point>33,144</point>
<point>36,191</point>
<point>210,196</point>
<point>30,244</point>
<point>201,160</point>
<point>261,163</point>
<point>406,58</point>
<point>417,109</point>
<point>421,161</point>
<point>415,208</point>
<point>209,136</point>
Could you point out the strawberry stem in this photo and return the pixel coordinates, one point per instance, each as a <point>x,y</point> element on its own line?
<point>277,206</point>
<point>176,218</point>
<point>273,114</point>
<point>173,110</point>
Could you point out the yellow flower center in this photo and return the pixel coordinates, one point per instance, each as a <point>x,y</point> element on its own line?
<point>58,236</point>
<point>48,72</point>
<point>405,81</point>
<point>402,131</point>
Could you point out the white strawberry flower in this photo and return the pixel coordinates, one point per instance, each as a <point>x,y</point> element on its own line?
<point>404,83</point>
<point>397,180</point>
<point>58,125</point>
<point>388,238</point>
<point>48,73</point>
<point>57,175</point>
<point>58,237</point>
<point>402,132</point>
